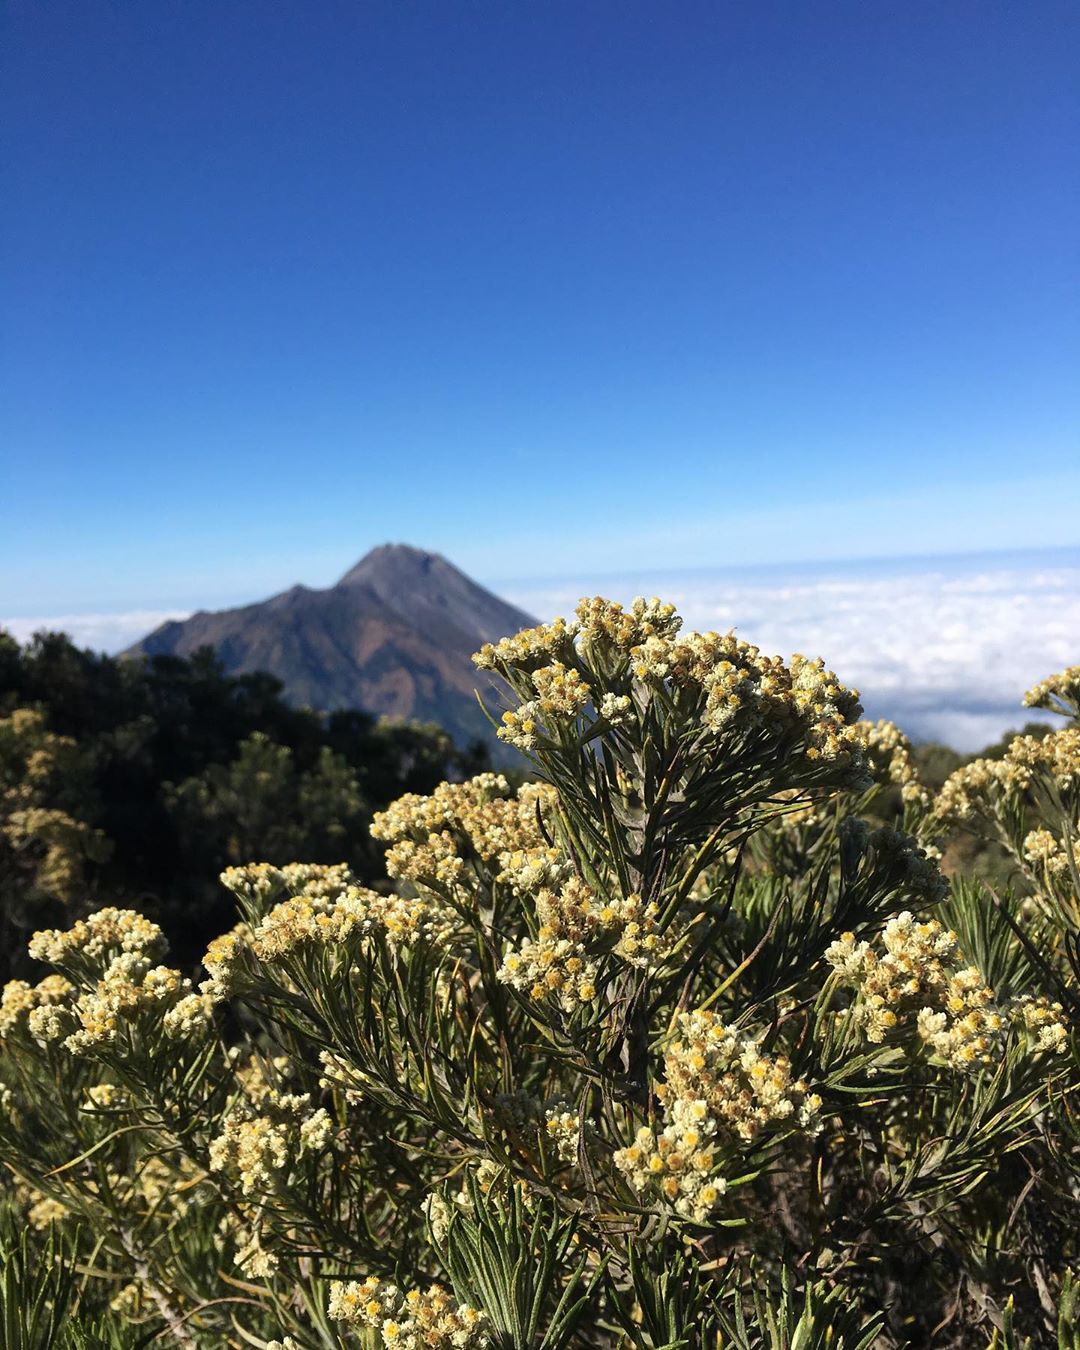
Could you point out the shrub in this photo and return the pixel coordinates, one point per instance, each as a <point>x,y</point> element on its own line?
<point>686,1043</point>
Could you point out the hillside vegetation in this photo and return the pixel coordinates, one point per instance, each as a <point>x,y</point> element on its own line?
<point>136,782</point>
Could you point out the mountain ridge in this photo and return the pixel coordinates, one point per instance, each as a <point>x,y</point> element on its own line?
<point>393,636</point>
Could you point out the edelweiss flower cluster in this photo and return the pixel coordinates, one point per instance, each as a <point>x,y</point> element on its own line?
<point>921,977</point>
<point>434,863</point>
<point>966,1032</point>
<point>321,915</point>
<point>19,999</point>
<point>92,943</point>
<point>617,710</point>
<point>415,816</point>
<point>248,1252</point>
<point>526,871</point>
<point>305,920</point>
<point>970,790</point>
<point>1059,693</point>
<point>563,1129</point>
<point>724,682</point>
<point>45,1212</point>
<point>418,1320</point>
<point>126,991</point>
<point>110,955</point>
<point>576,929</point>
<point>717,1083</point>
<point>188,1016</point>
<point>259,883</point>
<point>974,789</point>
<point>1043,850</point>
<point>520,727</point>
<point>257,1149</point>
<point>561,695</point>
<point>560,690</point>
<point>1044,1023</point>
<point>1056,757</point>
<point>223,961</point>
<point>105,1096</point>
<point>432,837</point>
<point>888,753</point>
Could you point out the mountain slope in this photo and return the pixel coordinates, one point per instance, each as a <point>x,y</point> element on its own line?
<point>394,636</point>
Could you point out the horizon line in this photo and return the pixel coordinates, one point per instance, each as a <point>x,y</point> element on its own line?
<point>875,559</point>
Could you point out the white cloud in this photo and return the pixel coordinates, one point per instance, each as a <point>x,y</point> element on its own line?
<point>945,650</point>
<point>102,632</point>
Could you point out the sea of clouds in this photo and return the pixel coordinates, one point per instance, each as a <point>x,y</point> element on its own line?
<point>944,647</point>
<point>101,632</point>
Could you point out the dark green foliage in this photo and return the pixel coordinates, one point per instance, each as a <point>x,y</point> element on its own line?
<point>186,770</point>
<point>42,1296</point>
<point>515,1266</point>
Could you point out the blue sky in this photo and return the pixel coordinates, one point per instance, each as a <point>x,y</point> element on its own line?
<point>551,288</point>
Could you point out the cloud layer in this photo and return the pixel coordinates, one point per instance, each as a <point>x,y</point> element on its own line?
<point>102,632</point>
<point>945,650</point>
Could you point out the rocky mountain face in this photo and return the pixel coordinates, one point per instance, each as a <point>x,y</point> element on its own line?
<point>394,636</point>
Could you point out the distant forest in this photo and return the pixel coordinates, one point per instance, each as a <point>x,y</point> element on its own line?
<point>136,782</point>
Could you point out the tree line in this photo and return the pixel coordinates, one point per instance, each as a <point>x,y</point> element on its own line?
<point>136,782</point>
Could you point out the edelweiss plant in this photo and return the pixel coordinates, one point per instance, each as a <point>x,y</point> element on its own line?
<point>686,1043</point>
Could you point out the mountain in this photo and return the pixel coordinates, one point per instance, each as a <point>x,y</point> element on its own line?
<point>394,636</point>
